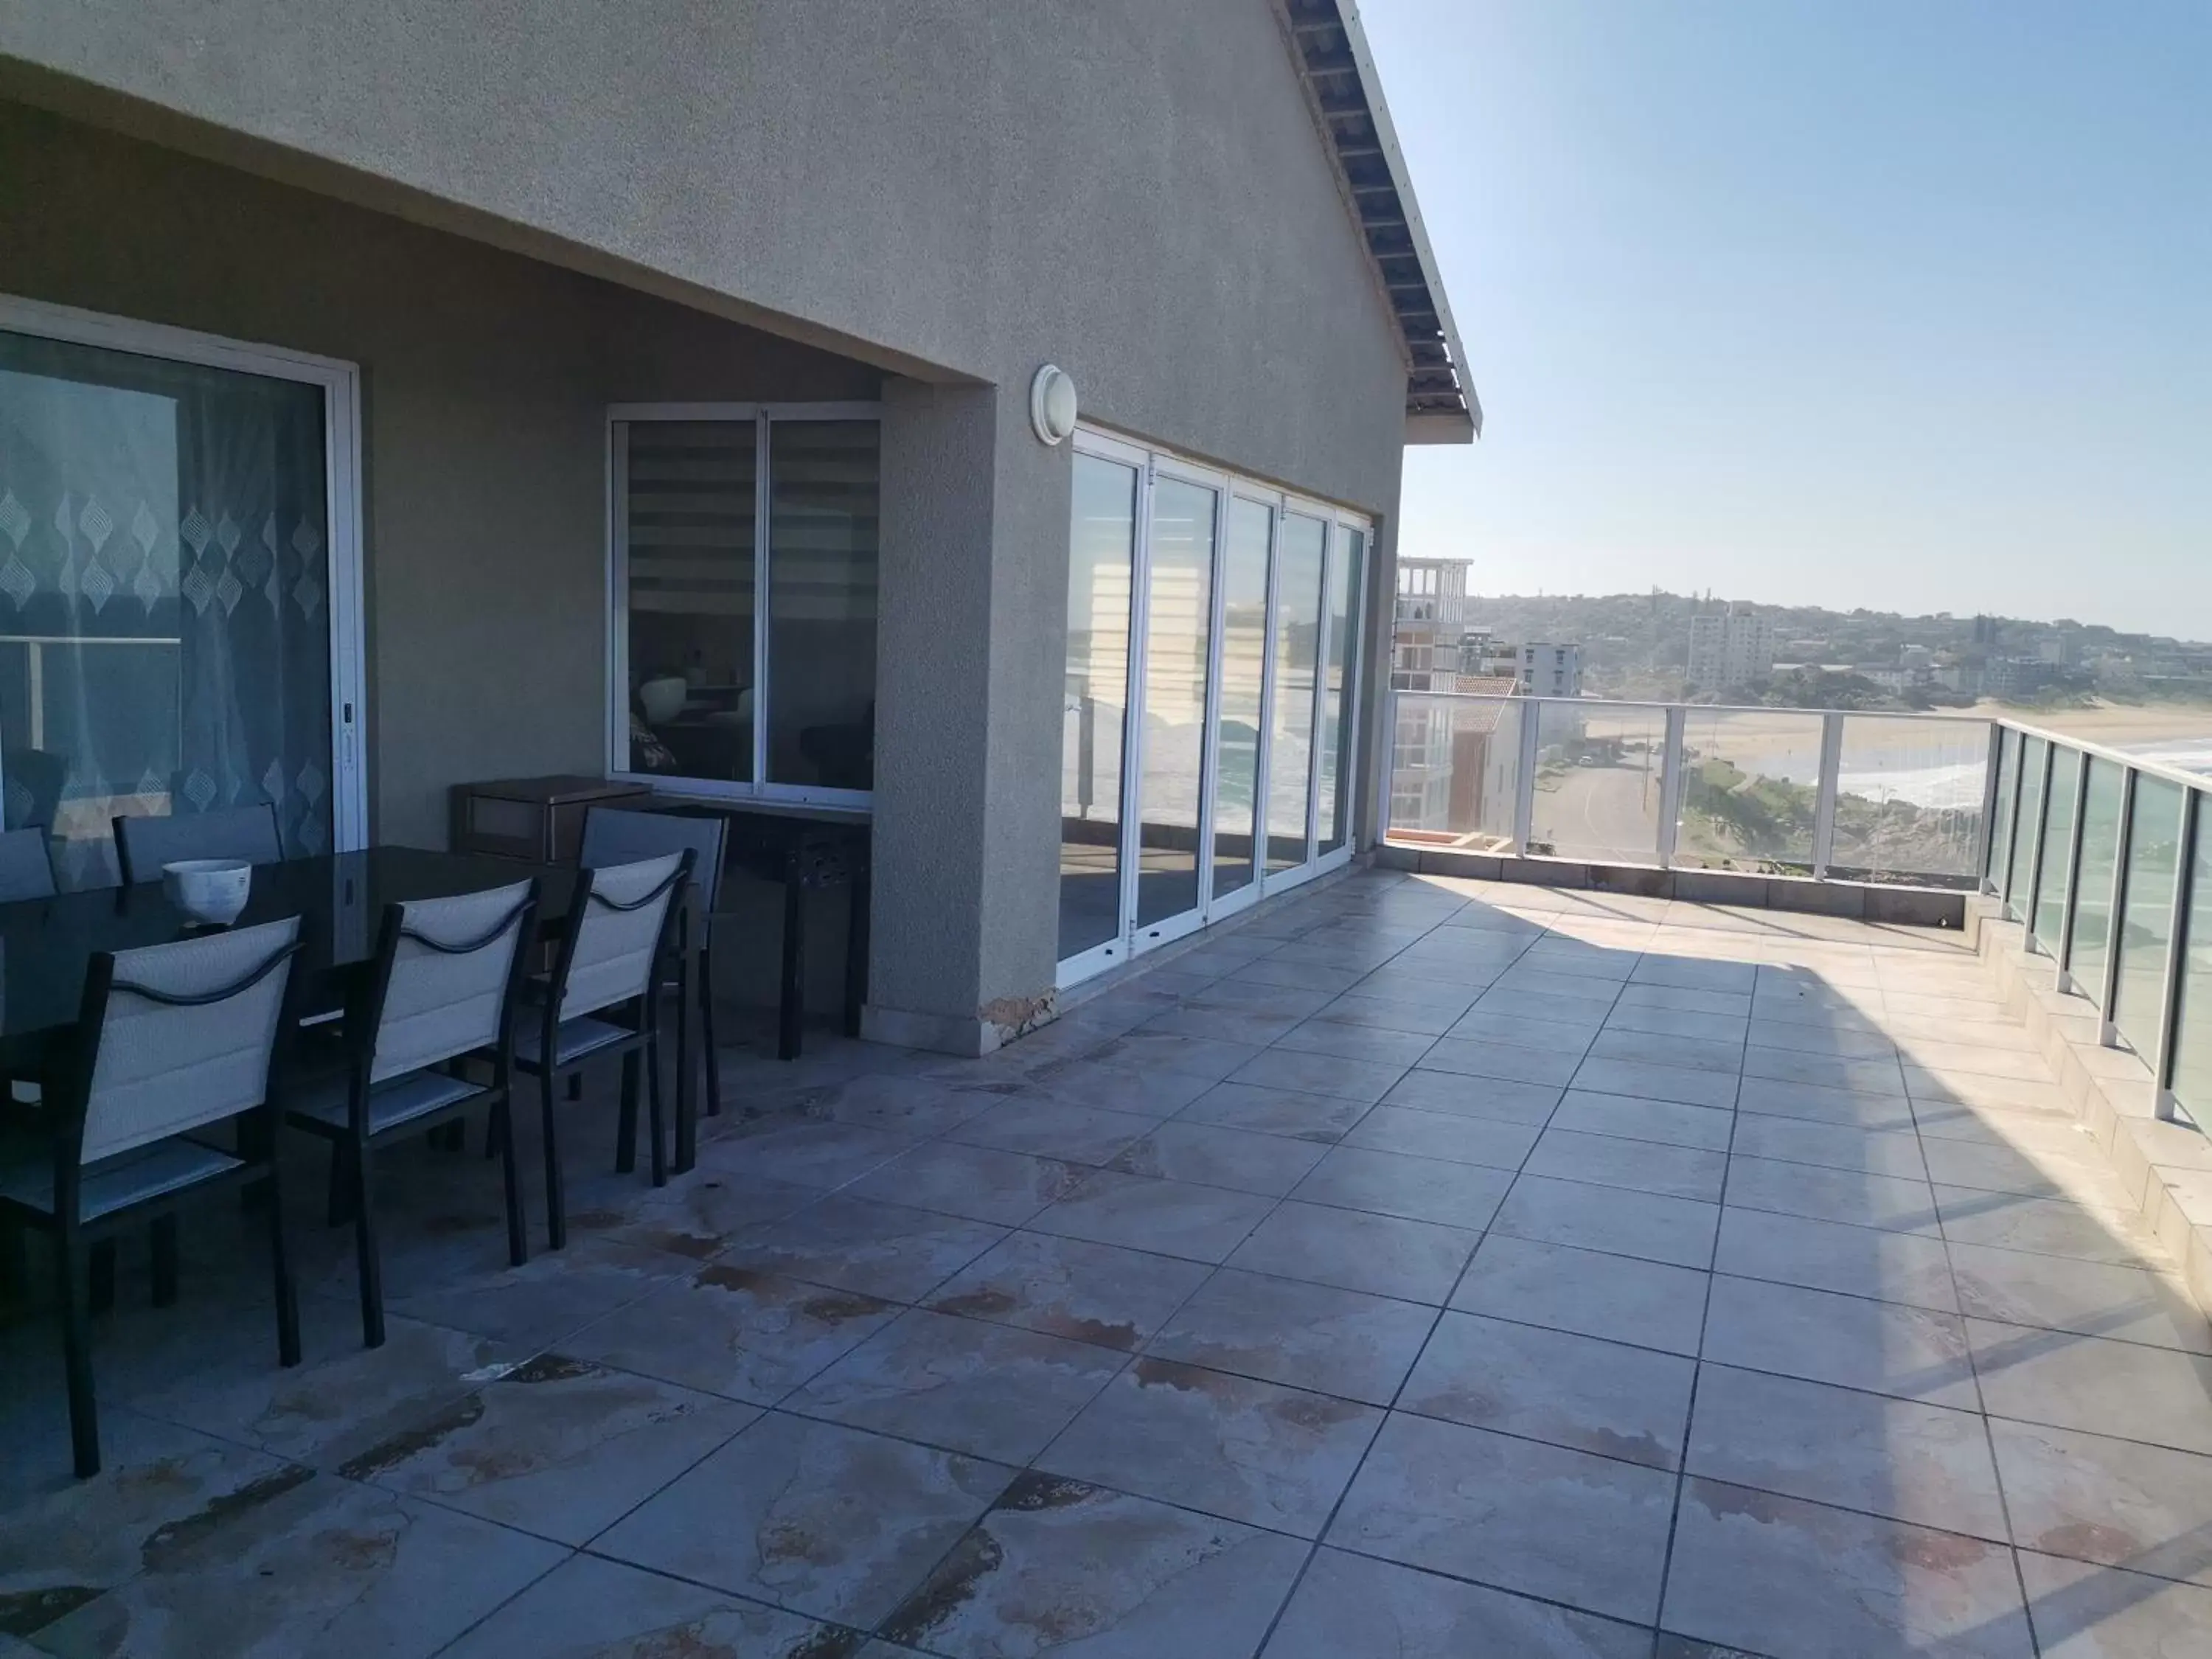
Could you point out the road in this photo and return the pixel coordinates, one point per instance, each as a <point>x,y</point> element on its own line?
<point>1607,814</point>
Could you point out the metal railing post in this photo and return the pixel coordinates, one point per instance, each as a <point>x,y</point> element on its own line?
<point>1524,792</point>
<point>2176,957</point>
<point>2070,901</point>
<point>2036,853</point>
<point>1985,841</point>
<point>1670,782</point>
<point>1824,809</point>
<point>2012,824</point>
<point>1390,780</point>
<point>2107,1032</point>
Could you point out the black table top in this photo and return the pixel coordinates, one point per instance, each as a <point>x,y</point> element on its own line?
<point>46,944</point>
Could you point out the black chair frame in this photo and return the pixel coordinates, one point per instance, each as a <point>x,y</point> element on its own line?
<point>67,1088</point>
<point>352,1144</point>
<point>639,1046</point>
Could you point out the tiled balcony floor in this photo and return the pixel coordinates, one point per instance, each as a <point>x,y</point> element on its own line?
<point>1423,1269</point>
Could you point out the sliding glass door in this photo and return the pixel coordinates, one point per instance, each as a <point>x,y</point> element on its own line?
<point>1094,708</point>
<point>1246,560</point>
<point>1208,720</point>
<point>178,591</point>
<point>1177,671</point>
<point>1294,657</point>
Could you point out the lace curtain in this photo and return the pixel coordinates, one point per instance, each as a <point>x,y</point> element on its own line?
<point>164,588</point>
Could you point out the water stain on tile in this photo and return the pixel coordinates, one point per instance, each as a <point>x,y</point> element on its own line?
<point>1937,1551</point>
<point>1314,1411</point>
<point>950,1588</point>
<point>824,1644</point>
<point>1645,1449</point>
<point>1122,1335</point>
<point>22,1611</point>
<point>1033,1490</point>
<point>166,1544</point>
<point>2086,1540</point>
<point>1185,1379</point>
<point>1751,1505</point>
<point>463,1413</point>
<point>977,1304</point>
<point>834,1310</point>
<point>551,1368</point>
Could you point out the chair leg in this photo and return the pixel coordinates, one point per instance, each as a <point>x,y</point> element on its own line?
<point>685,1077</point>
<point>101,1291</point>
<point>364,1242</point>
<point>340,1197</point>
<point>77,1356</point>
<point>712,1049</point>
<point>280,1262</point>
<point>492,1121</point>
<point>556,1215</point>
<point>653,1119</point>
<point>15,1265</point>
<point>164,1231</point>
<point>518,1241</point>
<point>626,1126</point>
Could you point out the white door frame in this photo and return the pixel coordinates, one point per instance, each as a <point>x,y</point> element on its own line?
<point>1149,465</point>
<point>340,383</point>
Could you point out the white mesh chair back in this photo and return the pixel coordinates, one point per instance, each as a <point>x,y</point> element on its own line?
<point>237,832</point>
<point>450,975</point>
<point>164,1066</point>
<point>615,834</point>
<point>616,931</point>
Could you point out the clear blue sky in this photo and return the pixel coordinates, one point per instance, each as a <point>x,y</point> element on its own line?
<point>1897,303</point>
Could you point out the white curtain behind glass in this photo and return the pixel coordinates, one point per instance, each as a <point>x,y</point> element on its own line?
<point>164,584</point>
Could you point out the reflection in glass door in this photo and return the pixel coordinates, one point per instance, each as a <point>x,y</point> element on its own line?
<point>1339,687</point>
<point>1300,557</point>
<point>1243,663</point>
<point>1102,559</point>
<point>1178,644</point>
<point>1211,698</point>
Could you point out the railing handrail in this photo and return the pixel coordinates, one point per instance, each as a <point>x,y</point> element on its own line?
<point>2104,752</point>
<point>1954,716</point>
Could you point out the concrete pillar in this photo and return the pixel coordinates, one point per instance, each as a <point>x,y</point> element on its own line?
<point>969,663</point>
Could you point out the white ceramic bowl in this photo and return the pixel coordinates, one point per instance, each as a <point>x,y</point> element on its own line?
<point>208,891</point>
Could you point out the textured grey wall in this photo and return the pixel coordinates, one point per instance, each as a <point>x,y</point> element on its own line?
<point>485,382</point>
<point>1131,188</point>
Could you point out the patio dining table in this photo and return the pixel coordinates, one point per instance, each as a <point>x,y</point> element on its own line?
<point>46,944</point>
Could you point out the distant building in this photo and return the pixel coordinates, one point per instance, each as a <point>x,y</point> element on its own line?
<point>2054,648</point>
<point>1551,670</point>
<point>1730,648</point>
<point>1475,649</point>
<point>1985,630</point>
<point>1431,614</point>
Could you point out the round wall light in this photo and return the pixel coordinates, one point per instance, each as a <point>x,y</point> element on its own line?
<point>1051,403</point>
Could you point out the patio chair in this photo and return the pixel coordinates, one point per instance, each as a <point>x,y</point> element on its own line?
<point>613,836</point>
<point>443,989</point>
<point>27,872</point>
<point>145,844</point>
<point>171,1039</point>
<point>27,868</point>
<point>601,1000</point>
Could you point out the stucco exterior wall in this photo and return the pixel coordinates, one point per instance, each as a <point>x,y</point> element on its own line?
<point>485,379</point>
<point>964,189</point>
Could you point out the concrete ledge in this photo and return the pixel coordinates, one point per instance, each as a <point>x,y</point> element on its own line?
<point>2165,1167</point>
<point>1915,906</point>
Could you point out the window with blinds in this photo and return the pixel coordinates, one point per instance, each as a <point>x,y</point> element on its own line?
<point>751,673</point>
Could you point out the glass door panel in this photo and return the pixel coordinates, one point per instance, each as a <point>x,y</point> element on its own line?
<point>1243,672</point>
<point>1296,648</point>
<point>165,597</point>
<point>1102,563</point>
<point>822,603</point>
<point>1178,640</point>
<point>1338,691</point>
<point>687,505</point>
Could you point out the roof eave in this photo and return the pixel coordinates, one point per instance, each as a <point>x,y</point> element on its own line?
<point>1441,405</point>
